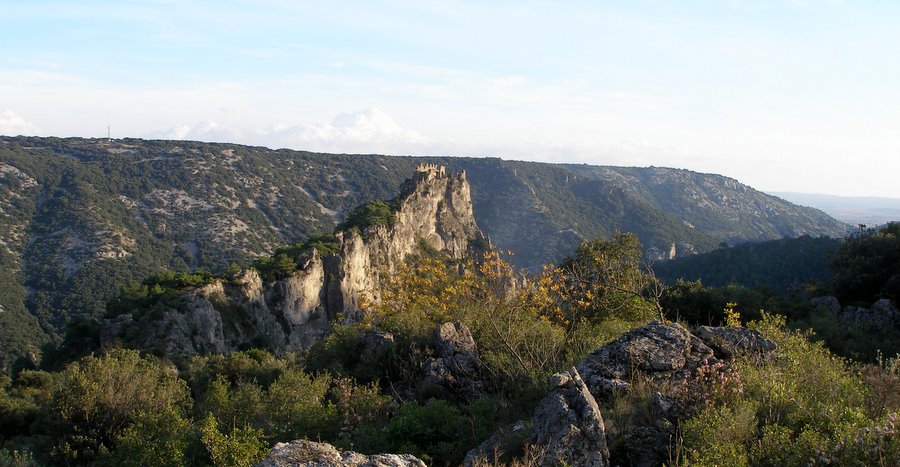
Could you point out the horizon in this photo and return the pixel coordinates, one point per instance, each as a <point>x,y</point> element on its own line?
<point>781,95</point>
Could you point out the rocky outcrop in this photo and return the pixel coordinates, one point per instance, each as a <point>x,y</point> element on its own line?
<point>659,355</point>
<point>113,328</point>
<point>568,424</point>
<point>453,373</point>
<point>663,357</point>
<point>374,342</point>
<point>295,312</point>
<point>173,331</point>
<point>304,453</point>
<point>654,352</point>
<point>882,313</point>
<point>727,342</point>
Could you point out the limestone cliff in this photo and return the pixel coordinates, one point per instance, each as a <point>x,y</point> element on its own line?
<point>294,312</point>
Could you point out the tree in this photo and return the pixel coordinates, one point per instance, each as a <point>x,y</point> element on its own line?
<point>867,265</point>
<point>609,277</point>
<point>376,212</point>
<point>153,439</point>
<point>97,398</point>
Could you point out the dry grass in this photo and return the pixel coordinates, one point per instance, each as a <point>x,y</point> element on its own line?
<point>883,379</point>
<point>532,456</point>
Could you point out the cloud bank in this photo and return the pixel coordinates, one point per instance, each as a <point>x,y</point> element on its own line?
<point>13,124</point>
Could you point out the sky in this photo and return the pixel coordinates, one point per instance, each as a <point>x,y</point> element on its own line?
<point>783,95</point>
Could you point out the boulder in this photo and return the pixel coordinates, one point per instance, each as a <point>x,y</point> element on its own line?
<point>374,342</point>
<point>452,339</point>
<point>727,342</point>
<point>453,372</point>
<point>568,424</point>
<point>304,453</point>
<point>664,356</point>
<point>656,352</point>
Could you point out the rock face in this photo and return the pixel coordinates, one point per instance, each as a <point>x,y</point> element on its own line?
<point>295,312</point>
<point>303,453</point>
<point>569,426</point>
<point>453,372</point>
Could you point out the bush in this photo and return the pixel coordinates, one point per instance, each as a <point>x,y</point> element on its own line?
<point>720,435</point>
<point>867,265</point>
<point>801,406</point>
<point>153,439</point>
<point>17,459</point>
<point>238,447</point>
<point>296,407</point>
<point>431,431</point>
<point>97,398</point>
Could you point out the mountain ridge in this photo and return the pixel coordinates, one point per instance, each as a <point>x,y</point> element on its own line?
<point>82,217</point>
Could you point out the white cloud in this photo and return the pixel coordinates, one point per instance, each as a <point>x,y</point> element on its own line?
<point>14,125</point>
<point>364,131</point>
<point>206,130</point>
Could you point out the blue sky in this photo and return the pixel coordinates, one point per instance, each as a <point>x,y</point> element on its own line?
<point>782,95</point>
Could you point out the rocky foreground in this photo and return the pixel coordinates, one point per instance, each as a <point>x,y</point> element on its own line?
<point>659,360</point>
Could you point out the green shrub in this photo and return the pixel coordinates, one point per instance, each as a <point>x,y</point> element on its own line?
<point>362,410</point>
<point>97,398</point>
<point>431,431</point>
<point>154,439</point>
<point>296,407</point>
<point>867,265</point>
<point>17,459</point>
<point>238,447</point>
<point>373,213</point>
<point>801,406</point>
<point>719,435</point>
<point>241,404</point>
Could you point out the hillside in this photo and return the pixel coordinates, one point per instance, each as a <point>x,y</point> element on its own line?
<point>782,265</point>
<point>79,218</point>
<point>719,206</point>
